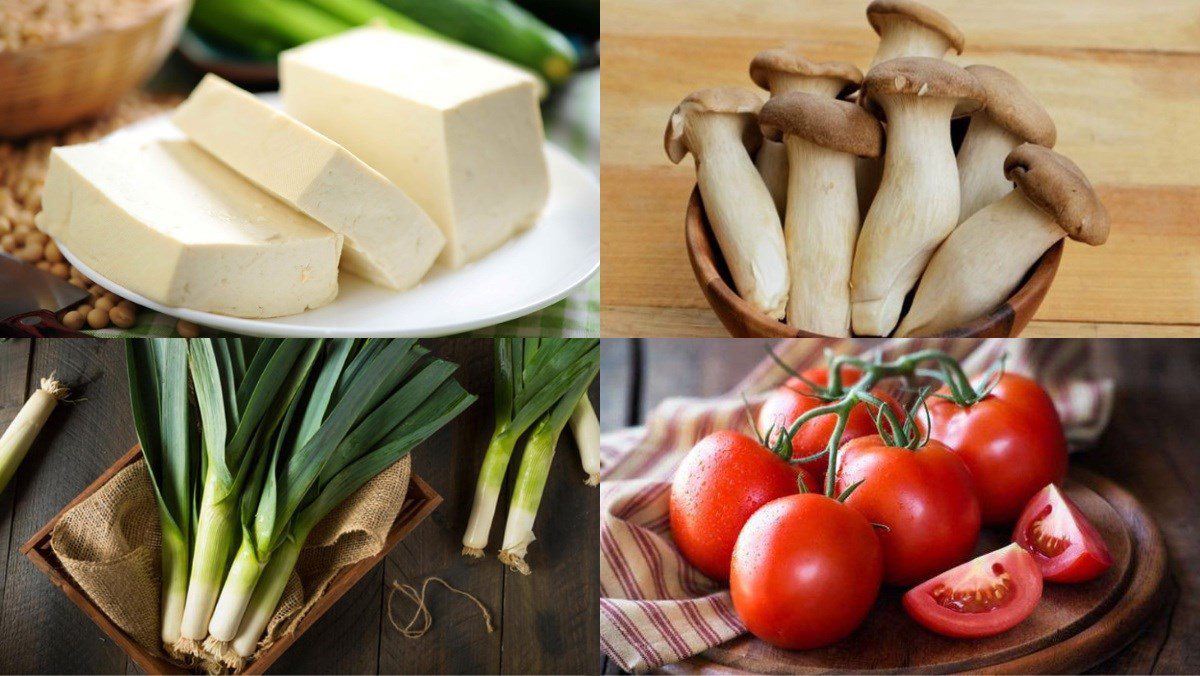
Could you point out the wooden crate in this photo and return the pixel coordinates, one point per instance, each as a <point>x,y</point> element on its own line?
<point>419,503</point>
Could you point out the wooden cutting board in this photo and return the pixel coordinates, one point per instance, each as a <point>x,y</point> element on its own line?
<point>1073,628</point>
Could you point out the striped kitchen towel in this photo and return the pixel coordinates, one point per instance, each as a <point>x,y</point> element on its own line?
<point>655,608</point>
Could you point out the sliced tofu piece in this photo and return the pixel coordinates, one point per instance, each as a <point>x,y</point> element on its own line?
<point>389,239</point>
<point>168,221</point>
<point>459,131</point>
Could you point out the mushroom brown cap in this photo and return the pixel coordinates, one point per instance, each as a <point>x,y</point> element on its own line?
<point>716,100</point>
<point>792,62</point>
<point>922,76</point>
<point>1012,107</point>
<point>878,10</point>
<point>1056,185</point>
<point>829,123</point>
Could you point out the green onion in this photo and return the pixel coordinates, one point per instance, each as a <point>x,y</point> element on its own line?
<point>19,435</point>
<point>586,428</point>
<point>535,469</point>
<point>158,392</point>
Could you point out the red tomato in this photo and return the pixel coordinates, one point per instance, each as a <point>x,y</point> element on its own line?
<point>923,497</point>
<point>719,484</point>
<point>796,398</point>
<point>1011,440</point>
<point>983,597</point>
<point>1065,545</point>
<point>806,571</point>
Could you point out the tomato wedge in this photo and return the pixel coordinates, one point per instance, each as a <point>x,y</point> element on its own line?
<point>983,597</point>
<point>1062,541</point>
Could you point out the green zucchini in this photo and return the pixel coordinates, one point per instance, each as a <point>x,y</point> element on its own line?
<point>498,27</point>
<point>258,26</point>
<point>358,12</point>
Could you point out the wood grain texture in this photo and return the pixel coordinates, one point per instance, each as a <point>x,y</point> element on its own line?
<point>80,440</point>
<point>354,636</point>
<point>1120,79</point>
<point>14,371</point>
<point>1148,449</point>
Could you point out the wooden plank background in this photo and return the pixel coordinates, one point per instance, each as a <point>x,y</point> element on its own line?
<point>545,623</point>
<point>1121,79</point>
<point>1149,448</point>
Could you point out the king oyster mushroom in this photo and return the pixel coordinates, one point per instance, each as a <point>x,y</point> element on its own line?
<point>981,263</point>
<point>719,127</point>
<point>782,71</point>
<point>918,200</point>
<point>905,29</point>
<point>1012,117</point>
<point>823,136</point>
<point>908,28</point>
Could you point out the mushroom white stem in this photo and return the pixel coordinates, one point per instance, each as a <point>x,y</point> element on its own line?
<point>981,164</point>
<point>771,160</point>
<point>980,265</point>
<point>902,38</point>
<point>915,208</point>
<point>741,211</point>
<point>821,228</point>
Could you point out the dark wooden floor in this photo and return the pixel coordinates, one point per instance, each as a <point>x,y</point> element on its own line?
<point>545,623</point>
<point>1152,447</point>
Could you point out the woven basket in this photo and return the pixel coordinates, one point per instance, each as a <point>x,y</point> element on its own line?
<point>51,86</point>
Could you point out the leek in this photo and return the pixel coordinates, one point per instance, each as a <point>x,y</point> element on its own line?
<point>283,368</point>
<point>19,435</point>
<point>535,469</point>
<point>158,392</point>
<point>586,428</point>
<point>442,406</point>
<point>367,407</point>
<point>532,375</point>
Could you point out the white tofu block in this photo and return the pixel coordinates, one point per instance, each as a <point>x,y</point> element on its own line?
<point>459,131</point>
<point>388,238</point>
<point>168,221</point>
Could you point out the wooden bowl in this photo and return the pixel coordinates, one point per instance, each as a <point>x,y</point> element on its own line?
<point>51,86</point>
<point>744,321</point>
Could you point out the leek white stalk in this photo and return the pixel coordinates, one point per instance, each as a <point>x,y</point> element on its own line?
<point>586,428</point>
<point>535,469</point>
<point>19,436</point>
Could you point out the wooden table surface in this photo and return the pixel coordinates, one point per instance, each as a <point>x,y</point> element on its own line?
<point>1150,448</point>
<point>1121,79</point>
<point>545,623</point>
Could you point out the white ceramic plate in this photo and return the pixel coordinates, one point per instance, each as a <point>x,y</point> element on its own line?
<point>534,269</point>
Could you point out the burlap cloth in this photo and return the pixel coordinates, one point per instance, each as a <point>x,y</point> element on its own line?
<point>109,546</point>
